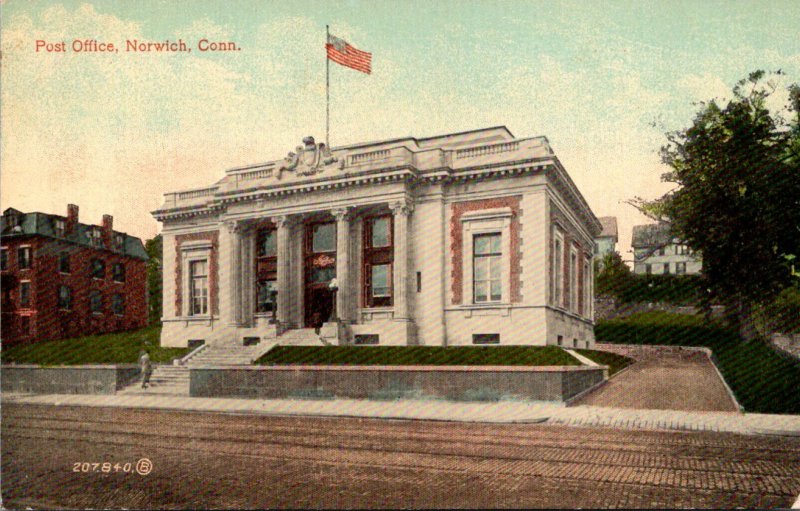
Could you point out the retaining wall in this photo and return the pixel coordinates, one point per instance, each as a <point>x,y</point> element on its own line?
<point>468,383</point>
<point>84,379</point>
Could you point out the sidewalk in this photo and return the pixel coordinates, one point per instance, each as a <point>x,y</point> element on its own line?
<point>497,412</point>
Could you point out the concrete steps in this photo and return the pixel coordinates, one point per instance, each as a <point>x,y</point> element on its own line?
<point>300,337</point>
<point>165,380</point>
<point>232,354</point>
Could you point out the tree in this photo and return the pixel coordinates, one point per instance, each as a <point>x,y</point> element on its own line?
<point>611,275</point>
<point>737,196</point>
<point>154,282</point>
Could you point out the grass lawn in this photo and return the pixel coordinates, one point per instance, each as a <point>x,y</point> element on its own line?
<point>612,360</point>
<point>419,355</point>
<point>762,380</point>
<point>116,348</point>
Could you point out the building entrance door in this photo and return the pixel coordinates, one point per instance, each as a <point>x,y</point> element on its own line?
<point>319,306</point>
<point>319,270</point>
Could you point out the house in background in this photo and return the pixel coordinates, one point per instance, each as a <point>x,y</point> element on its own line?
<point>606,242</point>
<point>466,238</point>
<point>655,251</point>
<point>62,278</point>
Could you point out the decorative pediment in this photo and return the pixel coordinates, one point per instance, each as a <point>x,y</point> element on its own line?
<point>307,159</point>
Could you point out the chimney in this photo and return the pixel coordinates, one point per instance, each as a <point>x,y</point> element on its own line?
<point>108,227</point>
<point>72,218</point>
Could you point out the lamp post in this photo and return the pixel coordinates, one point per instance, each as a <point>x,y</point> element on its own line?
<point>334,287</point>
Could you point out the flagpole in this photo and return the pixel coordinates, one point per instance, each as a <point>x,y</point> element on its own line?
<point>327,89</point>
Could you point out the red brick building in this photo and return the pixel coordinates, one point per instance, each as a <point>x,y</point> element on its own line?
<point>62,278</point>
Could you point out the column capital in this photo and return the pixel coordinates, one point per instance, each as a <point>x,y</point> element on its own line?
<point>401,208</point>
<point>234,226</point>
<point>281,221</point>
<point>341,214</point>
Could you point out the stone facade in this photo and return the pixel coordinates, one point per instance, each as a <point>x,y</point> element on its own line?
<point>439,241</point>
<point>476,383</point>
<point>86,379</point>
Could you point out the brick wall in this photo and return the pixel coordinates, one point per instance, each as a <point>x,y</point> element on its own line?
<point>456,243</point>
<point>213,265</point>
<point>46,320</point>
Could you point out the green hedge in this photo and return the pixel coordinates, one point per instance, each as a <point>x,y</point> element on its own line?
<point>762,380</point>
<point>116,348</point>
<point>672,289</point>
<point>418,355</point>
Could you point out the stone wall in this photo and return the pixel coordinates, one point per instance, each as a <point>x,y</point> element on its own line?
<point>607,307</point>
<point>87,379</point>
<point>789,344</point>
<point>490,383</point>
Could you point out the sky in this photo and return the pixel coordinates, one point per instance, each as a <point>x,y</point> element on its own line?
<point>603,81</point>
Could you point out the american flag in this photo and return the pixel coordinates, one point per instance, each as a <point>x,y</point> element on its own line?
<point>342,53</point>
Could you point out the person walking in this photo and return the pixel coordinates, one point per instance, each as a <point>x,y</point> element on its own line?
<point>147,368</point>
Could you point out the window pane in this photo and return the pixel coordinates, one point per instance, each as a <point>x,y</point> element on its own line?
<point>324,238</point>
<point>496,291</point>
<point>269,244</point>
<point>199,268</point>
<point>380,280</point>
<point>380,232</point>
<point>323,274</point>
<point>265,297</point>
<point>481,291</point>
<point>495,267</point>
<point>494,244</point>
<point>481,265</point>
<point>481,245</point>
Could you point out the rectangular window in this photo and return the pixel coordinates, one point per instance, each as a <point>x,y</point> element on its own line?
<point>4,259</point>
<point>95,237</point>
<point>648,268</point>
<point>118,272</point>
<point>573,280</point>
<point>267,243</point>
<point>24,295</point>
<point>323,238</point>
<point>98,269</point>
<point>486,268</point>
<point>266,290</point>
<point>198,287</point>
<point>378,261</point>
<point>60,227</point>
<point>666,268</point>
<point>63,262</point>
<point>118,304</point>
<point>661,251</point>
<point>65,298</point>
<point>119,242</point>
<point>558,266</point>
<point>381,232</point>
<point>96,302</point>
<point>381,281</point>
<point>587,288</point>
<point>680,268</point>
<point>485,338</point>
<point>24,258</point>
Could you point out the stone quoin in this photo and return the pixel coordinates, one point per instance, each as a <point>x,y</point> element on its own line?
<point>467,238</point>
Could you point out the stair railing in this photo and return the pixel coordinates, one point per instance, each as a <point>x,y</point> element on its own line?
<point>183,361</point>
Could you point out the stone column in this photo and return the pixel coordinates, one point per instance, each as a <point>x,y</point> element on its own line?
<point>401,211</point>
<point>284,256</point>
<point>235,272</point>
<point>342,217</point>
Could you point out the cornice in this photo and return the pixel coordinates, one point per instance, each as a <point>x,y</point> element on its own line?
<point>221,200</point>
